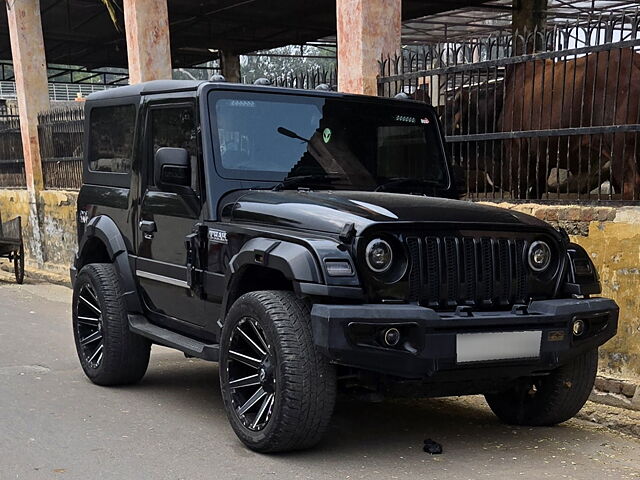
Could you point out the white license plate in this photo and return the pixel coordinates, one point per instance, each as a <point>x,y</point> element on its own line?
<point>483,347</point>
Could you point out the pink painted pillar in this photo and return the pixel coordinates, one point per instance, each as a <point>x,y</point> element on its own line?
<point>30,69</point>
<point>367,31</point>
<point>148,46</point>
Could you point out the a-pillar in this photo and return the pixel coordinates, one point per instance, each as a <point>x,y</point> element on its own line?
<point>30,70</point>
<point>368,30</point>
<point>148,45</point>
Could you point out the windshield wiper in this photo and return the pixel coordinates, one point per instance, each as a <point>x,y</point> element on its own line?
<point>393,184</point>
<point>301,180</point>
<point>291,134</point>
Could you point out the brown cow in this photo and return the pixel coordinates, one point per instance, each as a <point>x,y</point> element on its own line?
<point>475,109</point>
<point>598,89</point>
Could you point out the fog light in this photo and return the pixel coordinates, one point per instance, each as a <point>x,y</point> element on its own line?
<point>391,337</point>
<point>578,327</point>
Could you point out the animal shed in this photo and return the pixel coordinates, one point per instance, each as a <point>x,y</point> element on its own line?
<point>548,115</point>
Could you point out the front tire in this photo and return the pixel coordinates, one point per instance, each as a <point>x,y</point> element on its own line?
<point>110,354</point>
<point>278,390</point>
<point>549,400</point>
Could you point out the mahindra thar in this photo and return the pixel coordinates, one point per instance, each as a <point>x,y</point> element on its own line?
<point>311,243</point>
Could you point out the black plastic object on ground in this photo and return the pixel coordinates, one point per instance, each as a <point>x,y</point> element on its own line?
<point>434,448</point>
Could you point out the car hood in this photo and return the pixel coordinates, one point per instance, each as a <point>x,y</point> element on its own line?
<point>330,211</point>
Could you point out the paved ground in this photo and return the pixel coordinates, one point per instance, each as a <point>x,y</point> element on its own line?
<point>55,424</point>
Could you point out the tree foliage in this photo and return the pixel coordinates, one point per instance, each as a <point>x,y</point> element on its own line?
<point>286,61</point>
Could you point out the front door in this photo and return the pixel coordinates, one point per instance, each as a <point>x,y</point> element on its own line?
<point>166,218</point>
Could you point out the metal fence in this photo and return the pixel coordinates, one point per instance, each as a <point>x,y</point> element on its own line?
<point>545,116</point>
<point>61,132</point>
<point>66,92</point>
<point>11,156</point>
<point>308,80</point>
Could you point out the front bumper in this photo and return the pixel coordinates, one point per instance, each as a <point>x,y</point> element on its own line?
<point>350,335</point>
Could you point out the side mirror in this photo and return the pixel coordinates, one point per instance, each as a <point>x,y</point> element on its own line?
<point>459,179</point>
<point>172,167</point>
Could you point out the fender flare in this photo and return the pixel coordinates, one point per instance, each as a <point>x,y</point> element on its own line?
<point>104,229</point>
<point>296,262</point>
<point>588,284</point>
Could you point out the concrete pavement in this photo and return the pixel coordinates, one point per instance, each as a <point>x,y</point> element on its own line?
<point>55,424</point>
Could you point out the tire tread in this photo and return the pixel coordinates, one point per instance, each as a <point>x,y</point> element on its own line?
<point>309,392</point>
<point>125,355</point>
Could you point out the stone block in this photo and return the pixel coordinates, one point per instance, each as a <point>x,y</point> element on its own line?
<point>628,389</point>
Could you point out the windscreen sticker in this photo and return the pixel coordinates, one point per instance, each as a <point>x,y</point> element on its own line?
<point>326,135</point>
<point>424,121</point>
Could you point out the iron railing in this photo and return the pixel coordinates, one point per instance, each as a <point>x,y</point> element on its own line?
<point>11,156</point>
<point>66,92</point>
<point>307,80</point>
<point>61,132</point>
<point>545,116</point>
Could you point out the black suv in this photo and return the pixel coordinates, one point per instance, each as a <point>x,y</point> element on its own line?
<point>311,243</point>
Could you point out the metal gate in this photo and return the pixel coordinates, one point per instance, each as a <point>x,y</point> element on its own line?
<point>557,124</point>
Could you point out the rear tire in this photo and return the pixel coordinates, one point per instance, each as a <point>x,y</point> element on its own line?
<point>110,354</point>
<point>549,400</point>
<point>294,384</point>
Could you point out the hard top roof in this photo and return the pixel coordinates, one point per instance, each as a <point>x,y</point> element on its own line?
<point>173,86</point>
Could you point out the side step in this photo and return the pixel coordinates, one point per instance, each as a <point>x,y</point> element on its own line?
<point>140,325</point>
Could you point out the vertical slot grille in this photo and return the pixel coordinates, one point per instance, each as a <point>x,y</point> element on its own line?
<point>447,271</point>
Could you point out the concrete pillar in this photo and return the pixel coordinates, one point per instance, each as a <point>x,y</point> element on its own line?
<point>367,31</point>
<point>30,69</point>
<point>529,15</point>
<point>148,46</point>
<point>230,66</point>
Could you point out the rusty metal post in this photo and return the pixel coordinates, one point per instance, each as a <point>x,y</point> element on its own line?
<point>148,46</point>
<point>529,16</point>
<point>30,67</point>
<point>230,66</point>
<point>367,31</point>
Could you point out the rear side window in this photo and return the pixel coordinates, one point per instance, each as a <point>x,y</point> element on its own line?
<point>111,138</point>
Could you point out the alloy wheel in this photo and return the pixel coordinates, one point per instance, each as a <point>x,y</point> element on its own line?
<point>251,374</point>
<point>89,326</point>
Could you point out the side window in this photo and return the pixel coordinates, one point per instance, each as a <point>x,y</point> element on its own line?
<point>111,138</point>
<point>176,127</point>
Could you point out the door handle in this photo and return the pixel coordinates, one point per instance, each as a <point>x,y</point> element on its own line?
<point>148,227</point>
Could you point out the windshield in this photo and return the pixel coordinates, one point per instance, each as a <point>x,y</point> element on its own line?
<point>341,144</point>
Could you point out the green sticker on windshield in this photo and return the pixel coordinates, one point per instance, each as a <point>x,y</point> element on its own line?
<point>326,135</point>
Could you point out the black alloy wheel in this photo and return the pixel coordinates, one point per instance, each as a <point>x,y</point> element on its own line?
<point>89,326</point>
<point>277,387</point>
<point>252,374</point>
<point>109,353</point>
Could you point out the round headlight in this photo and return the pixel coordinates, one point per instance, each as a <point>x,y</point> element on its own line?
<point>539,256</point>
<point>379,255</point>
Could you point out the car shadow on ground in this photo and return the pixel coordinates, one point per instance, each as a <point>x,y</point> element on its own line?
<point>395,427</point>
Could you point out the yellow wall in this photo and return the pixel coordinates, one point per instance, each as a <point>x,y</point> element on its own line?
<point>615,250</point>
<point>57,228</point>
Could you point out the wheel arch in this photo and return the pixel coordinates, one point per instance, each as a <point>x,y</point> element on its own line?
<point>269,264</point>
<point>103,242</point>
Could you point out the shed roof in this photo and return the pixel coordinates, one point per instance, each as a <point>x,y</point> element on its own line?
<point>80,32</point>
